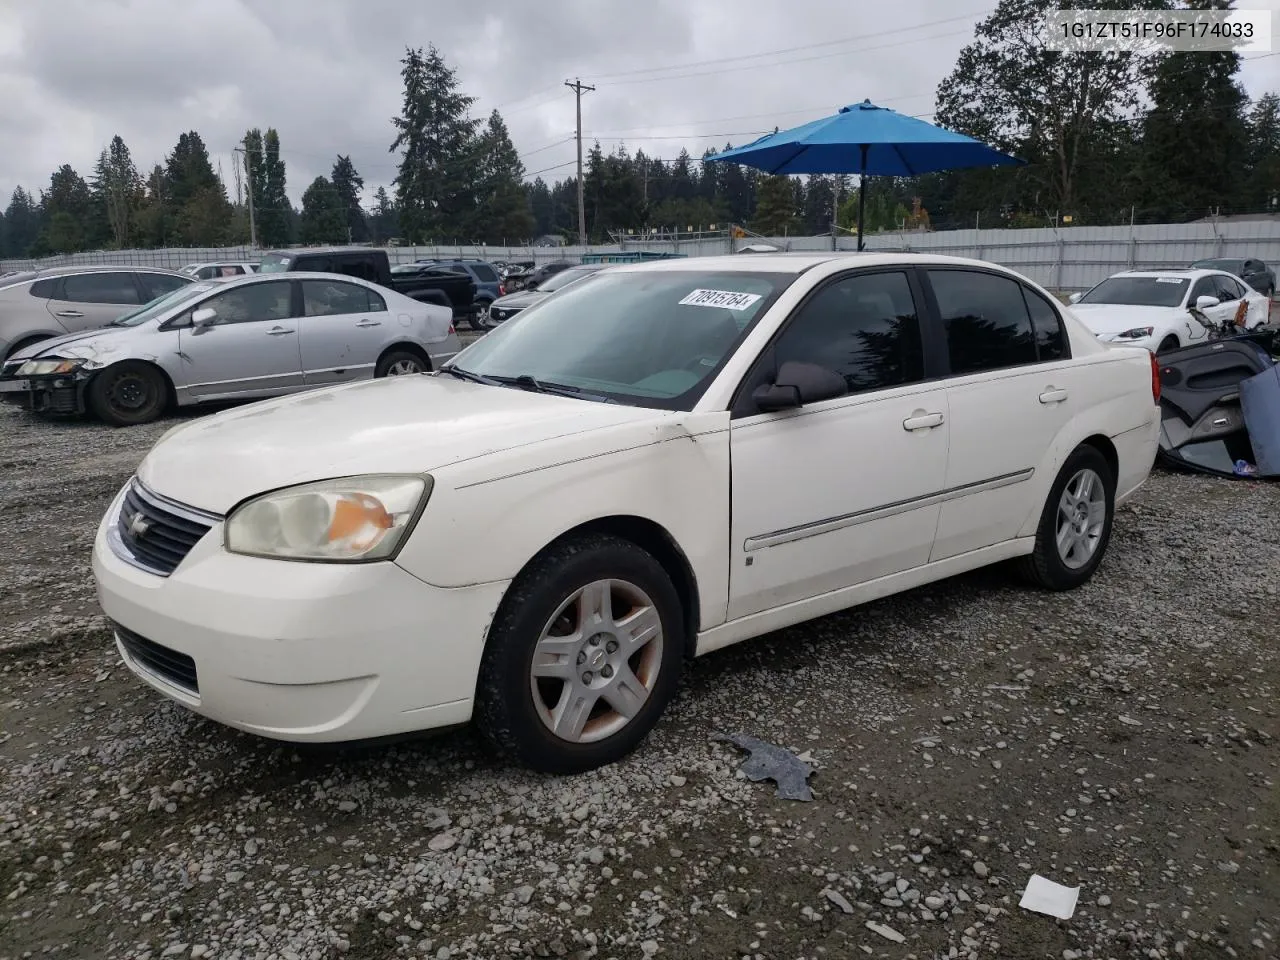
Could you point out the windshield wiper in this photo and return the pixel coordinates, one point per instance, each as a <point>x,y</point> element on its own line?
<point>468,375</point>
<point>528,382</point>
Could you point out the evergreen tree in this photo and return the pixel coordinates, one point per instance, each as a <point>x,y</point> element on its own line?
<point>1263,186</point>
<point>775,214</point>
<point>21,223</point>
<point>382,223</point>
<point>323,218</point>
<point>198,198</point>
<point>503,210</point>
<point>275,213</point>
<point>66,210</point>
<point>348,185</point>
<point>118,191</point>
<point>435,186</point>
<point>542,206</point>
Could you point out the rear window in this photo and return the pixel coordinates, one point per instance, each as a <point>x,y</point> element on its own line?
<point>484,273</point>
<point>274,263</point>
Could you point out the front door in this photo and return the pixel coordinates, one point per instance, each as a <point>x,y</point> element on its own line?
<point>842,491</point>
<point>83,301</point>
<point>343,328</point>
<point>251,349</point>
<point>1011,391</point>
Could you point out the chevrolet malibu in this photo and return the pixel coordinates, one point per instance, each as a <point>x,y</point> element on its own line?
<point>655,464</point>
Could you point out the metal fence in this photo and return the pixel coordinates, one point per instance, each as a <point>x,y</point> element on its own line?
<point>1066,259</point>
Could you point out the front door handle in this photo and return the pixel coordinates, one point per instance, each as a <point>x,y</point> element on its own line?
<point>925,421</point>
<point>278,332</point>
<point>369,323</point>
<point>1053,395</point>
<point>70,313</point>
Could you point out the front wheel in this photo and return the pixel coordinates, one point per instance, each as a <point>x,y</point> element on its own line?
<point>583,656</point>
<point>127,394</point>
<point>1075,526</point>
<point>479,321</point>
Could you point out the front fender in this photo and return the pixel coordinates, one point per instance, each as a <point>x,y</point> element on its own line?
<point>486,521</point>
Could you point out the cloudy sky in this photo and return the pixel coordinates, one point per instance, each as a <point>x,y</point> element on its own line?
<point>325,73</point>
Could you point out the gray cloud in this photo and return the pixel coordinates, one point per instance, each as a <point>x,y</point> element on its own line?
<point>325,73</point>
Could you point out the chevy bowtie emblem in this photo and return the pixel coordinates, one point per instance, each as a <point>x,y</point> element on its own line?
<point>138,525</point>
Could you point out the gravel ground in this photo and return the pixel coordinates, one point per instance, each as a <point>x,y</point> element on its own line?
<point>965,736</point>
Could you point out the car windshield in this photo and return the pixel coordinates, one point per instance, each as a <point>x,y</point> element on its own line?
<point>274,263</point>
<point>564,278</point>
<point>1139,291</point>
<point>154,308</point>
<point>651,338</point>
<point>1231,266</point>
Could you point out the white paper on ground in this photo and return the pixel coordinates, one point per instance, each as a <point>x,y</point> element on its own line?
<point>1045,896</point>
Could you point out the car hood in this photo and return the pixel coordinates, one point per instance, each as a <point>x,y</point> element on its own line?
<point>518,300</point>
<point>394,425</point>
<point>1103,318</point>
<point>89,344</point>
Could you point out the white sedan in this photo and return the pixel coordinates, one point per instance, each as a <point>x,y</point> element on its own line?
<point>659,461</point>
<point>1154,308</point>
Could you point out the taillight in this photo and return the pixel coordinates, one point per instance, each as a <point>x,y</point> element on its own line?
<point>502,290</point>
<point>1155,379</point>
<point>451,330</point>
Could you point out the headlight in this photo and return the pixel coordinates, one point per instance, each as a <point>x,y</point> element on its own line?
<point>40,368</point>
<point>356,518</point>
<point>1137,333</point>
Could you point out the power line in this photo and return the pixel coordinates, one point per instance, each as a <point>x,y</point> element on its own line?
<point>770,53</point>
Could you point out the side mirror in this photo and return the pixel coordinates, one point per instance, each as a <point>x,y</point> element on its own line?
<point>204,318</point>
<point>797,384</point>
<point>1075,297</point>
<point>1204,303</point>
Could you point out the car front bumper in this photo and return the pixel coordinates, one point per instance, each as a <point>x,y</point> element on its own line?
<point>302,652</point>
<point>59,394</point>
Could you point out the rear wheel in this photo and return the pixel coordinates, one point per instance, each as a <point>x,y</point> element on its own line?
<point>1075,526</point>
<point>1168,343</point>
<point>479,321</point>
<point>584,655</point>
<point>128,393</point>
<point>400,363</point>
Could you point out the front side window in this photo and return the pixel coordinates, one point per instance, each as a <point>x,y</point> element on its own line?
<point>331,298</point>
<point>1230,289</point>
<point>651,338</point>
<point>114,287</point>
<point>252,303</point>
<point>986,321</point>
<point>1204,287</point>
<point>864,327</point>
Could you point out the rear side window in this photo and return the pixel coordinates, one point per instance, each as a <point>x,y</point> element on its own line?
<point>864,327</point>
<point>114,287</point>
<point>1051,338</point>
<point>332,298</point>
<point>356,267</point>
<point>986,321</point>
<point>158,284</point>
<point>45,289</point>
<point>484,273</point>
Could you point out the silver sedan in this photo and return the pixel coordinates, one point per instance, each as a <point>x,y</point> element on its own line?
<point>241,338</point>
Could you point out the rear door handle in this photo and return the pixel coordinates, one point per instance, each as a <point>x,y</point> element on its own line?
<point>924,422</point>
<point>70,313</point>
<point>369,323</point>
<point>278,332</point>
<point>1053,395</point>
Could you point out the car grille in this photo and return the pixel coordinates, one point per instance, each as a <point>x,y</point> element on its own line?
<point>158,534</point>
<point>177,668</point>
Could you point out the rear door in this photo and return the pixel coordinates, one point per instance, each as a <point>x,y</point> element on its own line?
<point>252,348</point>
<point>343,328</point>
<point>83,301</point>
<point>1010,392</point>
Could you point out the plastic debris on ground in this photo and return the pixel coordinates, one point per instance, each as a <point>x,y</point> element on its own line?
<point>768,762</point>
<point>1053,899</point>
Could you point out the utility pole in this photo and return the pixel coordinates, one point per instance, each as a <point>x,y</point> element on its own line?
<point>577,86</point>
<point>248,175</point>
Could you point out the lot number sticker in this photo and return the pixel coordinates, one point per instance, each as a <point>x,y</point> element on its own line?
<point>725,299</point>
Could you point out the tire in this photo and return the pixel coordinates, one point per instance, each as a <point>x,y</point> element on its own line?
<point>479,321</point>
<point>1168,343</point>
<point>128,393</point>
<point>518,712</point>
<point>1047,566</point>
<point>400,363</point>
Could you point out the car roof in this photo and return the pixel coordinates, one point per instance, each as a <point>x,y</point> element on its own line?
<point>104,268</point>
<point>798,262</point>
<point>312,251</point>
<point>1181,273</point>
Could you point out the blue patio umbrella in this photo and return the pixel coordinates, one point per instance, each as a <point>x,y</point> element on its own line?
<point>869,141</point>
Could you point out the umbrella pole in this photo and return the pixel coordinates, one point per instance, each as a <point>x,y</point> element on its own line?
<point>862,194</point>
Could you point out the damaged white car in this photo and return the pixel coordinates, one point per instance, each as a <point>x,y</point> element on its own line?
<point>235,339</point>
<point>653,464</point>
